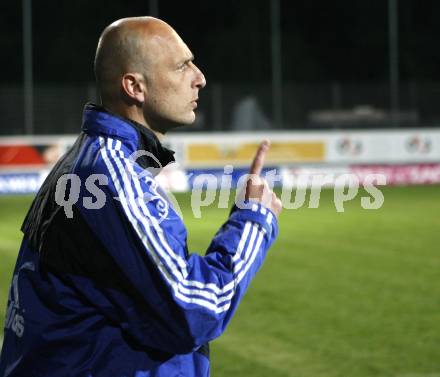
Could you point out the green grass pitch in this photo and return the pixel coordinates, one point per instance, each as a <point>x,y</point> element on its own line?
<point>350,294</point>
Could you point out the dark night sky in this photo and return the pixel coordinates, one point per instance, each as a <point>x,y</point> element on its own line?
<point>344,40</point>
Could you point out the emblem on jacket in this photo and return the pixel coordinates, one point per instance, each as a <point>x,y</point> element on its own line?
<point>14,318</point>
<point>153,199</point>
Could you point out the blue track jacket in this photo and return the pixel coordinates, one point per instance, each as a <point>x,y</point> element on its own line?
<point>110,290</point>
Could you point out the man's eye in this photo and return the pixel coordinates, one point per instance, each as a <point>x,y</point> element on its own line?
<point>183,66</point>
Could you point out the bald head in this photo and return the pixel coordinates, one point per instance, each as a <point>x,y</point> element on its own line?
<point>145,72</point>
<point>127,45</point>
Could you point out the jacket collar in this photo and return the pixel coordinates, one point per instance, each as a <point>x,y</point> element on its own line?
<point>99,121</point>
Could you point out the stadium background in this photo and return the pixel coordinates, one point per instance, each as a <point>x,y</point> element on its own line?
<point>346,87</point>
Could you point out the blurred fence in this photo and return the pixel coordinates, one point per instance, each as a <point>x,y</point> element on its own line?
<point>227,107</point>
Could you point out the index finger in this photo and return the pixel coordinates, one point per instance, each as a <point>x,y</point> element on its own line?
<point>258,161</point>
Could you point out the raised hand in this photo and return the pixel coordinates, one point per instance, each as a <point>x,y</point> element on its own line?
<point>257,188</point>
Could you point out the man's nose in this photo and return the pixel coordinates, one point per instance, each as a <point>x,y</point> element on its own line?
<point>199,81</point>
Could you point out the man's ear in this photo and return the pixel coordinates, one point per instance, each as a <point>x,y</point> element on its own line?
<point>133,85</point>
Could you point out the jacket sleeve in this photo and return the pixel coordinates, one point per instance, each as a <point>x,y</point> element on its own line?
<point>191,297</point>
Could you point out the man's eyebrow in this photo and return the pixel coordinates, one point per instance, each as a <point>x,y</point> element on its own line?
<point>187,60</point>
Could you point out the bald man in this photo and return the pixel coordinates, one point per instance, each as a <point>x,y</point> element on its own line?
<point>104,284</point>
<point>146,73</point>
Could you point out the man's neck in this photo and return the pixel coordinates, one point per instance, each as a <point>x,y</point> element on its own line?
<point>135,115</point>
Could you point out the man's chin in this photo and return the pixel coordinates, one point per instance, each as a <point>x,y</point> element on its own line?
<point>176,123</point>
<point>186,121</point>
<point>190,119</point>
